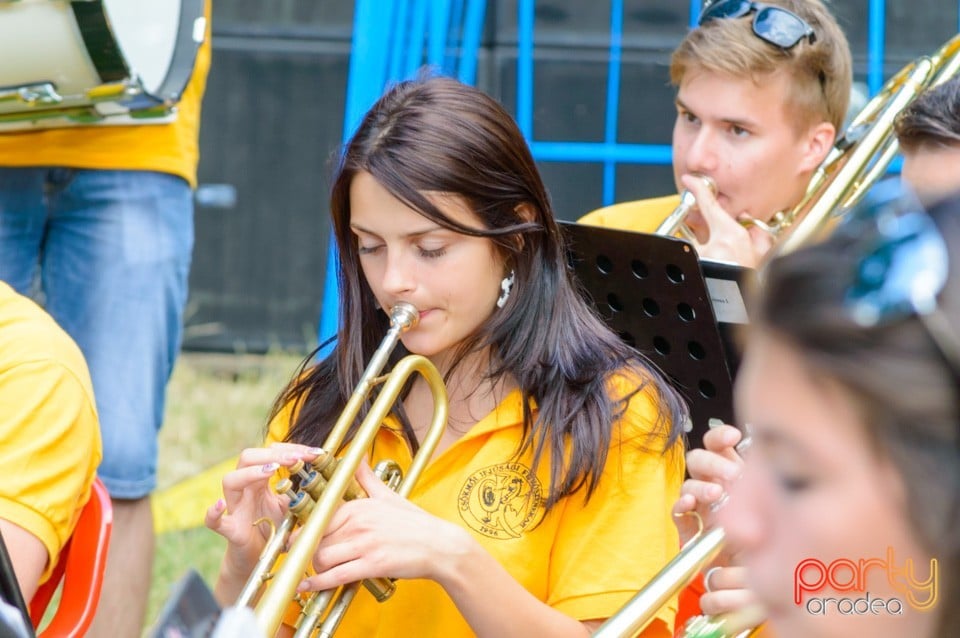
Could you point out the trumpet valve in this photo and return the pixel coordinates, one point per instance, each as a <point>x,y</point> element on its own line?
<point>390,473</point>
<point>301,503</point>
<point>325,464</point>
<point>381,588</point>
<point>313,484</point>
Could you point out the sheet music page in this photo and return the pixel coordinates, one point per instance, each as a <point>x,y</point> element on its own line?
<point>727,301</point>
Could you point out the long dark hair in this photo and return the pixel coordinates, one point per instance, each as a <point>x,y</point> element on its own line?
<point>437,134</point>
<point>906,392</point>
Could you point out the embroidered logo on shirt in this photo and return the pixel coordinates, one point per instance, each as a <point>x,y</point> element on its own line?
<point>500,501</point>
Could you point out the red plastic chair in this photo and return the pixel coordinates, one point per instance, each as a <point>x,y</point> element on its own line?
<point>80,568</point>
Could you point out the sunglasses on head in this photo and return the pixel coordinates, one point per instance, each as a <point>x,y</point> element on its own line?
<point>775,25</point>
<point>903,266</point>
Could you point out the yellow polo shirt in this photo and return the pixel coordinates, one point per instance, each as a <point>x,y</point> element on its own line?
<point>166,148</point>
<point>49,433</point>
<point>585,560</point>
<point>641,216</point>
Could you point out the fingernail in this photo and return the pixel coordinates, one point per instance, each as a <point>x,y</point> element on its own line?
<point>219,505</point>
<point>316,450</point>
<point>269,467</point>
<point>714,491</point>
<point>302,587</point>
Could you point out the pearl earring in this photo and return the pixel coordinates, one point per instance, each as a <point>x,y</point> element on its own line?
<point>505,285</point>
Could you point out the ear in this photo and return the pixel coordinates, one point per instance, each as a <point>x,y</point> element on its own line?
<point>819,140</point>
<point>526,211</point>
<point>528,215</point>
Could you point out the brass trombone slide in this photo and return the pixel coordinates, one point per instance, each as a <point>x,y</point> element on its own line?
<point>864,151</point>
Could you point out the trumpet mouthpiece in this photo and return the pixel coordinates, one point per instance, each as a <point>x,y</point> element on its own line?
<point>404,315</point>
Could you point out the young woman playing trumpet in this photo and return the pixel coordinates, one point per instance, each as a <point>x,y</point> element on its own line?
<point>547,503</point>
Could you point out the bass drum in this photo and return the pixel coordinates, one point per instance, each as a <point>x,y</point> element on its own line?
<point>95,61</point>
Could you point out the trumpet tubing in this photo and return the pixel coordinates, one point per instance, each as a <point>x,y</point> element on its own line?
<point>328,481</point>
<point>643,607</point>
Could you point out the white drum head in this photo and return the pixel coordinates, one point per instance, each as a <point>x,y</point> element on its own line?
<point>146,33</point>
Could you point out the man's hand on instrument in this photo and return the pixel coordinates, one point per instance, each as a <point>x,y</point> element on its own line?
<point>721,236</point>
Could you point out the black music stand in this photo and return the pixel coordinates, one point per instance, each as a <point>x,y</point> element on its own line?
<point>11,595</point>
<point>190,612</point>
<point>657,295</point>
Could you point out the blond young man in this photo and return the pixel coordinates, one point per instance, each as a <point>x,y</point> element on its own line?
<point>762,91</point>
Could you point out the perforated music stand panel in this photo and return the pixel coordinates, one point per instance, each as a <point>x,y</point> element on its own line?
<point>651,291</point>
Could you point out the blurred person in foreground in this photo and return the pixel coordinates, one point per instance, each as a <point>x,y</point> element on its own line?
<point>850,387</point>
<point>928,132</point>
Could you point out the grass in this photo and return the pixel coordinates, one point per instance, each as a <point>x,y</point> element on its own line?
<point>216,405</point>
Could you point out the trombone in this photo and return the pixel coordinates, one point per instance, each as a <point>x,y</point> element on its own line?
<point>328,481</point>
<point>856,161</point>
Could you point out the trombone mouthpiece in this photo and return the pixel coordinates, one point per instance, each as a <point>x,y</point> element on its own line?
<point>404,315</point>
<point>675,221</point>
<point>706,179</point>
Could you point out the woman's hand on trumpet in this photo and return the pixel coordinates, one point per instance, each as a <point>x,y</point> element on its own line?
<point>383,535</point>
<point>721,235</point>
<point>248,499</point>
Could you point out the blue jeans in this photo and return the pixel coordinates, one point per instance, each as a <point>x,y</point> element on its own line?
<point>112,250</point>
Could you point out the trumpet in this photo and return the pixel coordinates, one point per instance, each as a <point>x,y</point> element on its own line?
<point>327,481</point>
<point>640,610</point>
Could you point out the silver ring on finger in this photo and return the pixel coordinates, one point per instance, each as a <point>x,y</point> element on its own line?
<point>706,578</point>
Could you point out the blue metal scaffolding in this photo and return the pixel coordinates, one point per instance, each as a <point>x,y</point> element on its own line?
<point>392,40</point>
